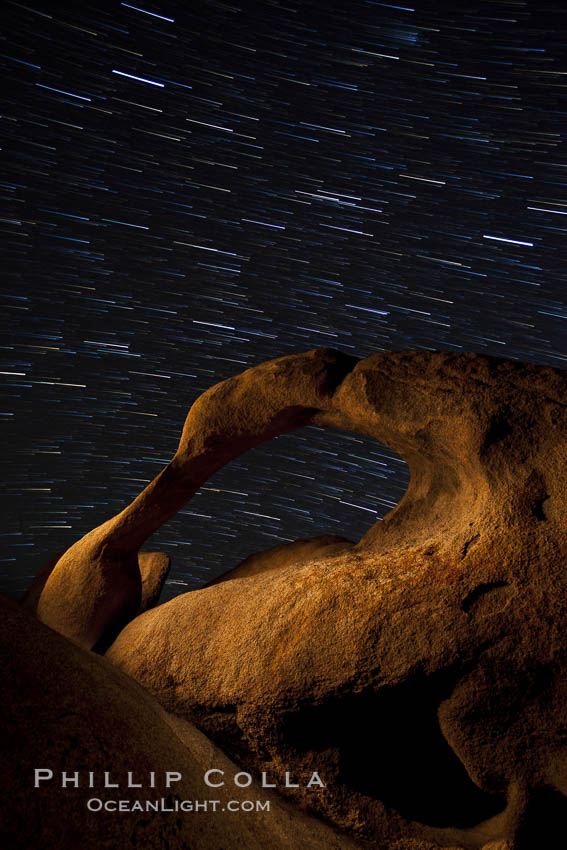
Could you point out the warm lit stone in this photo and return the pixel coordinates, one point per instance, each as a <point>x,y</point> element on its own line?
<point>421,672</point>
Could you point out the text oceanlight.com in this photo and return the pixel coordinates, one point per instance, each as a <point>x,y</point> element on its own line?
<point>170,804</point>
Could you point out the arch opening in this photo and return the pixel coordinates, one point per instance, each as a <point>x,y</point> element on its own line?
<point>306,483</point>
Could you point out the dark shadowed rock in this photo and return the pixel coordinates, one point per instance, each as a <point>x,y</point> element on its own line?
<point>64,709</point>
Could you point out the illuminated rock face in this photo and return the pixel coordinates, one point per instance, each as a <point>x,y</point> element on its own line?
<point>153,567</point>
<point>421,671</point>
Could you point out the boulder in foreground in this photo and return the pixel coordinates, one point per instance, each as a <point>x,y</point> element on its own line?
<point>64,709</point>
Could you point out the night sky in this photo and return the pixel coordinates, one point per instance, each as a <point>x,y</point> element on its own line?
<point>190,189</point>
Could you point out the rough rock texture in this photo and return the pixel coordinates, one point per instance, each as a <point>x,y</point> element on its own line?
<point>66,709</point>
<point>422,671</point>
<point>298,552</point>
<point>153,566</point>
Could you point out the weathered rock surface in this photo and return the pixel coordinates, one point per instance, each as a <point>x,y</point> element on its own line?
<point>64,709</point>
<point>422,671</point>
<point>284,554</point>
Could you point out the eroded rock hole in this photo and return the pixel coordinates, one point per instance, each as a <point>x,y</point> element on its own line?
<point>543,822</point>
<point>499,428</point>
<point>390,748</point>
<point>310,482</point>
<point>492,587</point>
<point>539,508</point>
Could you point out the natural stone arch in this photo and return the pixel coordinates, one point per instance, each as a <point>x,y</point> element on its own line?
<point>314,487</point>
<point>456,598</point>
<point>419,404</point>
<point>95,586</point>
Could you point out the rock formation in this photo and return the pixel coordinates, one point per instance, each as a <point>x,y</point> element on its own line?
<point>422,671</point>
<point>153,567</point>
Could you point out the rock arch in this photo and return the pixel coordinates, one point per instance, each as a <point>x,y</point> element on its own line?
<point>95,587</point>
<point>457,597</point>
<point>428,407</point>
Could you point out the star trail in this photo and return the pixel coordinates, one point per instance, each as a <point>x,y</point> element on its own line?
<point>189,189</point>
